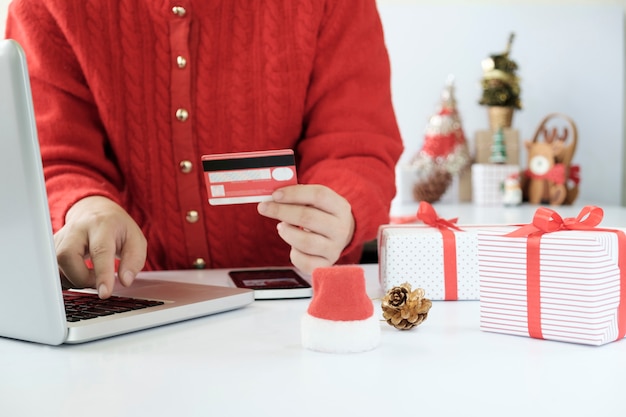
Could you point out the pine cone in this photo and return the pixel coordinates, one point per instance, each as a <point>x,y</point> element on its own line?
<point>433,187</point>
<point>405,309</point>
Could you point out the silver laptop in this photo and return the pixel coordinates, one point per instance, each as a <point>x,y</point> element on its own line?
<point>32,305</point>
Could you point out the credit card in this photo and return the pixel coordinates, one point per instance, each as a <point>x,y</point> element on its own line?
<point>247,177</point>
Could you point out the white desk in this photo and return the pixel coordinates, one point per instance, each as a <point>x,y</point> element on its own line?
<point>249,362</point>
<point>469,213</point>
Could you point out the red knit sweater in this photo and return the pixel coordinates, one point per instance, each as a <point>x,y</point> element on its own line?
<point>107,81</point>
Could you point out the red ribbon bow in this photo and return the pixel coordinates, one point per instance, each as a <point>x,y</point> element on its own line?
<point>545,221</point>
<point>427,214</point>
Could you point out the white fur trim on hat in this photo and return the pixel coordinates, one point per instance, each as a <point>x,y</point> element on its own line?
<point>340,336</point>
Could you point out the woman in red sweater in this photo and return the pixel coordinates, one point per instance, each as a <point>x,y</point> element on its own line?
<point>129,95</point>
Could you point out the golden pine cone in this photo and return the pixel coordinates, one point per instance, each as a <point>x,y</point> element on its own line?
<point>405,309</point>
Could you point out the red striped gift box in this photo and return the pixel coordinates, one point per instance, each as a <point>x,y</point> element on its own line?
<point>556,279</point>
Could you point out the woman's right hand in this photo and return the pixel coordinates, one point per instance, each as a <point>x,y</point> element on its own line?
<point>99,230</point>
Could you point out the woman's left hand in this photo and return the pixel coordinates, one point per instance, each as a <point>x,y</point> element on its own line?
<point>316,221</point>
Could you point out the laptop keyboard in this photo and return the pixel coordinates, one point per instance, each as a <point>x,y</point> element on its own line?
<point>85,306</point>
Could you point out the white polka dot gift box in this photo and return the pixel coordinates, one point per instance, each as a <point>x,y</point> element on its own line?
<point>438,256</point>
<point>555,279</point>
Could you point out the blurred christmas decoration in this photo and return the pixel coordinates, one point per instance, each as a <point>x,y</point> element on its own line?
<point>512,191</point>
<point>551,177</point>
<point>484,141</point>
<point>444,152</point>
<point>501,90</point>
<point>404,308</point>
<point>498,148</point>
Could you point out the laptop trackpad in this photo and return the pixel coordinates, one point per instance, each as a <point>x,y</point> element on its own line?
<point>170,291</point>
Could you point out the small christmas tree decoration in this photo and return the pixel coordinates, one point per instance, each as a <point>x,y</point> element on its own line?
<point>405,309</point>
<point>444,152</point>
<point>498,148</point>
<point>501,90</point>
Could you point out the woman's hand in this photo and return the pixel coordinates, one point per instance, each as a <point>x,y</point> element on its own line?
<point>98,229</point>
<point>316,221</point>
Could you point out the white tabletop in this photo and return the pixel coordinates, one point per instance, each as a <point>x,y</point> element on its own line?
<point>469,213</point>
<point>250,362</point>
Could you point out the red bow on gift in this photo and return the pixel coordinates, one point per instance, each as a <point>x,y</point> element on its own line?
<point>545,221</point>
<point>427,214</point>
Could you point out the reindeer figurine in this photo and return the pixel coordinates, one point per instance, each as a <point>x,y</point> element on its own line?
<point>550,176</point>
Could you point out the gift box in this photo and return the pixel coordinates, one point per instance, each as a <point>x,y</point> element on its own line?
<point>437,256</point>
<point>556,279</point>
<point>488,182</point>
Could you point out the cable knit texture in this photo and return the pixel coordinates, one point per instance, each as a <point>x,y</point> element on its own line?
<point>312,75</point>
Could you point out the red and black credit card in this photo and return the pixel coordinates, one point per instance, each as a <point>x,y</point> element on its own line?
<point>247,177</point>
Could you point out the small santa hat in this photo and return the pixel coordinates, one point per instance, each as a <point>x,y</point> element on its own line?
<point>340,318</point>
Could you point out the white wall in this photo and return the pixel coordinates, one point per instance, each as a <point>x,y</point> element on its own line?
<point>4,5</point>
<point>571,58</point>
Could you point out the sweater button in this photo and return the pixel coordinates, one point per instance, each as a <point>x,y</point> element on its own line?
<point>192,216</point>
<point>181,61</point>
<point>182,115</point>
<point>185,166</point>
<point>199,263</point>
<point>179,11</point>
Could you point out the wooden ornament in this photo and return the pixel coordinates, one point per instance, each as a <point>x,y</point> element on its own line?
<point>550,154</point>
